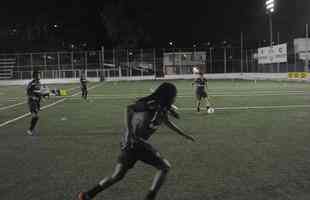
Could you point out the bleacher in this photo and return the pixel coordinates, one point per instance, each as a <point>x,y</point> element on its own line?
<point>6,68</point>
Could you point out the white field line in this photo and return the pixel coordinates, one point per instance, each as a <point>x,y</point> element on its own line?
<point>13,105</point>
<point>253,107</point>
<point>215,93</point>
<point>24,102</point>
<point>130,96</point>
<point>112,97</point>
<point>46,137</point>
<point>10,100</point>
<point>43,108</point>
<point>16,98</point>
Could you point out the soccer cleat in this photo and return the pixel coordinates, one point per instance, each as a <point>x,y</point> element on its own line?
<point>29,132</point>
<point>83,196</point>
<point>150,196</point>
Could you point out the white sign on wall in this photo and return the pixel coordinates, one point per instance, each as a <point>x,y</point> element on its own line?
<point>301,45</point>
<point>272,54</point>
<point>304,55</point>
<point>185,58</point>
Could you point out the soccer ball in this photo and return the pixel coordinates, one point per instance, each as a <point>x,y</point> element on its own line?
<point>195,70</point>
<point>210,110</point>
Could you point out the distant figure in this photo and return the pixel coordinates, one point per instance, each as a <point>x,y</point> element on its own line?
<point>201,84</point>
<point>83,82</point>
<point>45,91</point>
<point>143,119</point>
<point>34,98</point>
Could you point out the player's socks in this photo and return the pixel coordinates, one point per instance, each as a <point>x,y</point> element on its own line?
<point>100,187</point>
<point>94,191</point>
<point>29,132</point>
<point>33,123</point>
<point>86,93</point>
<point>198,107</point>
<point>83,196</point>
<point>150,195</point>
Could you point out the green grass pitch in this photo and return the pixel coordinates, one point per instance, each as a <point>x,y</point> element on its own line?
<point>256,146</point>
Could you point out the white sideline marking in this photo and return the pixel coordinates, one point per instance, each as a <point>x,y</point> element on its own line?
<point>12,106</point>
<point>24,102</point>
<point>43,108</point>
<point>254,107</point>
<point>112,97</point>
<point>131,96</point>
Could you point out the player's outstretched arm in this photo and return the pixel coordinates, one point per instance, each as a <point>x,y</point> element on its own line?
<point>176,129</point>
<point>173,113</point>
<point>131,136</point>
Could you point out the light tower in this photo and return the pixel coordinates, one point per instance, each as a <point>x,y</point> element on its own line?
<point>270,9</point>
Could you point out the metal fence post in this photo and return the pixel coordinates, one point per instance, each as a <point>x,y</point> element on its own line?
<point>114,57</point>
<point>102,61</point>
<point>127,60</point>
<point>225,64</point>
<point>295,60</point>
<point>246,60</point>
<point>31,63</point>
<point>58,63</point>
<point>154,61</point>
<point>45,64</point>
<point>241,53</point>
<point>211,64</point>
<point>72,64</point>
<point>141,61</point>
<point>85,54</point>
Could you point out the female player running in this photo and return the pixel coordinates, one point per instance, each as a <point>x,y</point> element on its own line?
<point>143,119</point>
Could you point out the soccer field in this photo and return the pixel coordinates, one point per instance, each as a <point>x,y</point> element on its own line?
<point>254,147</point>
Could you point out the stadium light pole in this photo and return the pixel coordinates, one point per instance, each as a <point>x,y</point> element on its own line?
<point>171,44</point>
<point>225,54</point>
<point>270,9</point>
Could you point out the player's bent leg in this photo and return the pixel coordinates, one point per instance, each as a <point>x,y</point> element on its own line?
<point>198,105</point>
<point>158,180</point>
<point>208,104</point>
<point>149,155</point>
<point>33,123</point>
<point>119,174</point>
<point>86,93</point>
<point>82,93</point>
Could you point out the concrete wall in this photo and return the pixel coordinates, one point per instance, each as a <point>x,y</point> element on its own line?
<point>241,76</point>
<point>245,76</point>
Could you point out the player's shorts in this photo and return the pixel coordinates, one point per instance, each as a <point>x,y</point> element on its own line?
<point>144,152</point>
<point>84,87</point>
<point>201,93</point>
<point>34,105</point>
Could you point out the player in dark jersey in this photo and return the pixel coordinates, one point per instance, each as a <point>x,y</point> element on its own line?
<point>83,82</point>
<point>201,84</point>
<point>143,119</point>
<point>34,98</point>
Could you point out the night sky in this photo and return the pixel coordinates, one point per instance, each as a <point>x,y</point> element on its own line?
<point>184,22</point>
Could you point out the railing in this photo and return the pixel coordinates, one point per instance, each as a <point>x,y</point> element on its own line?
<point>145,62</point>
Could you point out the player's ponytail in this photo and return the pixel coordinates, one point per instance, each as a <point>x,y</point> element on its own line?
<point>164,95</point>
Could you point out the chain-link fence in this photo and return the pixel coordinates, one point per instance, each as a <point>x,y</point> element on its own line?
<point>141,62</point>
